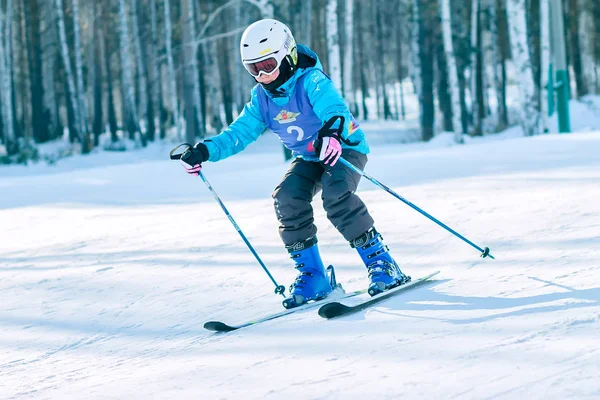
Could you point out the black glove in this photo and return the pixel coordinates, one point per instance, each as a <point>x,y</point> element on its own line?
<point>192,158</point>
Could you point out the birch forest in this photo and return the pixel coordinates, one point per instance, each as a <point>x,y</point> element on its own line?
<point>98,73</point>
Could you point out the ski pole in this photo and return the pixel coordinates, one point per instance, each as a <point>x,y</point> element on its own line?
<point>484,252</point>
<point>279,289</point>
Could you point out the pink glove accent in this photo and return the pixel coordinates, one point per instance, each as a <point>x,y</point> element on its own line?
<point>331,150</point>
<point>192,170</point>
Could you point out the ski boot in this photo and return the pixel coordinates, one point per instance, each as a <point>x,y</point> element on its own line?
<point>313,282</point>
<point>384,273</point>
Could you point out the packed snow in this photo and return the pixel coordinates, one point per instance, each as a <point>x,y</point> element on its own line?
<point>111,263</point>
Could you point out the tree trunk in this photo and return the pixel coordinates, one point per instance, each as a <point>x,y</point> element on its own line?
<point>81,98</point>
<point>215,95</point>
<point>360,53</point>
<point>10,140</point>
<point>380,32</point>
<point>238,69</point>
<point>586,34</point>
<point>130,114</point>
<point>495,60</point>
<point>520,50</point>
<point>307,11</point>
<point>110,102</point>
<point>348,54</point>
<point>171,69</point>
<point>141,70</point>
<point>441,72</point>
<point>498,18</point>
<point>575,53</point>
<point>228,66</point>
<point>426,56</point>
<point>400,22</point>
<point>545,62</point>
<point>48,55</point>
<point>415,54</point>
<point>39,123</point>
<point>475,109</point>
<point>190,71</point>
<point>452,71</point>
<point>98,53</point>
<point>11,36</point>
<point>333,45</point>
<point>72,103</point>
<point>154,75</point>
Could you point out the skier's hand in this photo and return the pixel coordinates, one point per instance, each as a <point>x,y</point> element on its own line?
<point>328,145</point>
<point>331,150</point>
<point>193,158</point>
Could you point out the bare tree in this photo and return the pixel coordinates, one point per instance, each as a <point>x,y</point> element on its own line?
<point>5,87</point>
<point>349,53</point>
<point>48,56</point>
<point>415,50</point>
<point>424,13</point>
<point>400,21</point>
<point>307,12</point>
<point>171,69</point>
<point>72,103</point>
<point>520,50</point>
<point>574,47</point>
<point>476,99</point>
<point>130,117</point>
<point>40,119</point>
<point>154,73</point>
<point>212,71</point>
<point>333,44</point>
<point>96,55</point>
<point>497,63</point>
<point>587,41</point>
<point>81,98</point>
<point>452,71</point>
<point>545,61</point>
<point>140,65</point>
<point>190,71</point>
<point>110,102</point>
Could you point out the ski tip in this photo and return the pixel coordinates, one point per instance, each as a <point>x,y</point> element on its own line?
<point>218,326</point>
<point>331,310</point>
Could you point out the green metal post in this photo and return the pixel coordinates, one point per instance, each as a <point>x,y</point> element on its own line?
<point>560,61</point>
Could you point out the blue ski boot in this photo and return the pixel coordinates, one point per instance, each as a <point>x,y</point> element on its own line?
<point>313,282</point>
<point>384,273</point>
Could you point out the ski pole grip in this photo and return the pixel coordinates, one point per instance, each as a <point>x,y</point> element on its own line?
<point>174,155</point>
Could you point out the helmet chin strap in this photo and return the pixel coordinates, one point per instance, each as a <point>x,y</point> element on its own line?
<point>286,70</point>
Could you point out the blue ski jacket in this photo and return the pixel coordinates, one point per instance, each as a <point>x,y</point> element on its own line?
<point>323,98</point>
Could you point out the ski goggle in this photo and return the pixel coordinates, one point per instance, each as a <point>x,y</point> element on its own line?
<point>266,67</point>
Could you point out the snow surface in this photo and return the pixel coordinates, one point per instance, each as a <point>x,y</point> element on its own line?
<point>111,263</point>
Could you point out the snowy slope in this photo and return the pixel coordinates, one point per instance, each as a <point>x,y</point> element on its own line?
<point>109,269</point>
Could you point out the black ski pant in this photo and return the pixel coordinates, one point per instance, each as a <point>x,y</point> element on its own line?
<point>303,180</point>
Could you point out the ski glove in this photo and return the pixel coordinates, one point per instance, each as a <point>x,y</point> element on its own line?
<point>193,158</point>
<point>331,150</point>
<point>328,145</point>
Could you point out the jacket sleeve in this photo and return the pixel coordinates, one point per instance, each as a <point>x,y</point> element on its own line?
<point>245,129</point>
<point>326,100</point>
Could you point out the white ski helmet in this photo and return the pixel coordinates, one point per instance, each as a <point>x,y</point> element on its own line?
<point>265,45</point>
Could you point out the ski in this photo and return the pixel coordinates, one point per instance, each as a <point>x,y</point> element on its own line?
<point>219,326</point>
<point>337,309</point>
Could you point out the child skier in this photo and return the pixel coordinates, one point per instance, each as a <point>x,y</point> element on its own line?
<point>296,100</point>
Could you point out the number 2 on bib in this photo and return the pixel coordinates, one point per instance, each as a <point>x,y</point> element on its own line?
<point>296,129</point>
